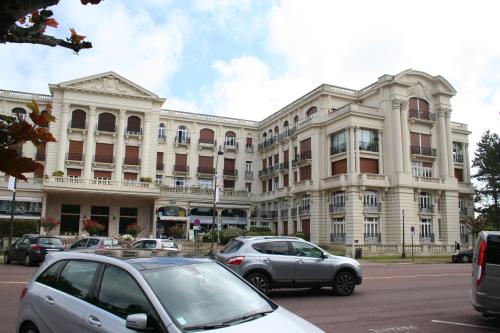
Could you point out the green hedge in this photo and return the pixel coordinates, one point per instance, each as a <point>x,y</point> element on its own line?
<point>259,232</point>
<point>229,233</point>
<point>21,227</point>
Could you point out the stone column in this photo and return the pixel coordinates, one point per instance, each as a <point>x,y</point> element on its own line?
<point>350,149</point>
<point>380,153</point>
<point>356,149</point>
<point>449,144</point>
<point>397,142</point>
<point>443,147</point>
<point>466,169</point>
<point>405,138</point>
<point>90,144</point>
<point>145,145</point>
<point>63,138</point>
<point>120,146</point>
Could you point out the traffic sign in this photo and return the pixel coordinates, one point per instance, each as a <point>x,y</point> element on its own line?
<point>197,222</point>
<point>412,230</point>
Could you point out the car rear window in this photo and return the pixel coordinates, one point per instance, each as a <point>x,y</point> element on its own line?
<point>169,244</point>
<point>110,242</point>
<point>233,246</point>
<point>277,247</point>
<point>50,241</point>
<point>493,250</point>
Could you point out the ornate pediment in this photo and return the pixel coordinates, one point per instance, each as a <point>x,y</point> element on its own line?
<point>418,90</point>
<point>108,83</point>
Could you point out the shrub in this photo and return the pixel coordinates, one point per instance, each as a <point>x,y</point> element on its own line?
<point>58,173</point>
<point>207,236</point>
<point>177,231</point>
<point>92,227</point>
<point>49,223</point>
<point>229,233</point>
<point>146,179</point>
<point>21,227</point>
<point>259,232</point>
<point>133,229</point>
<point>299,235</point>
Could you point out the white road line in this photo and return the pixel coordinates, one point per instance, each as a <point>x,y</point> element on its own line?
<point>13,282</point>
<point>414,276</point>
<point>462,324</point>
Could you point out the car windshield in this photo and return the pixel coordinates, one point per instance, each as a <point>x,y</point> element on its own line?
<point>50,241</point>
<point>196,298</point>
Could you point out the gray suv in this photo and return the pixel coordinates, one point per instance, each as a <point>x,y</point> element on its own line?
<point>289,262</point>
<point>485,292</point>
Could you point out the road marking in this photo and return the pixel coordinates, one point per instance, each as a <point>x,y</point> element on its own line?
<point>399,329</point>
<point>462,324</point>
<point>414,276</point>
<point>13,282</point>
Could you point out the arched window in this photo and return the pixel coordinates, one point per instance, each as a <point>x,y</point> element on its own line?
<point>276,129</point>
<point>182,134</point>
<point>207,136</point>
<point>296,120</point>
<point>78,119</point>
<point>285,125</point>
<point>134,125</point>
<point>20,113</point>
<point>270,133</point>
<point>264,136</point>
<point>161,131</point>
<point>106,122</point>
<point>311,112</point>
<point>230,139</point>
<point>418,108</point>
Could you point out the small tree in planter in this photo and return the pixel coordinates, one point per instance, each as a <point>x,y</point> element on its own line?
<point>49,223</point>
<point>133,229</point>
<point>92,227</point>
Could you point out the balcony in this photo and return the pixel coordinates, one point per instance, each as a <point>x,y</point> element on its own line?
<point>334,150</point>
<point>249,148</point>
<point>207,143</point>
<point>104,159</point>
<point>305,155</point>
<point>426,238</point>
<point>74,157</point>
<point>337,238</point>
<point>230,146</point>
<point>248,174</point>
<point>267,143</point>
<point>426,209</point>
<point>77,126</point>
<point>423,151</point>
<point>206,170</point>
<point>458,158</point>
<point>265,172</point>
<point>284,213</point>
<point>179,168</point>
<point>368,146</point>
<point>230,173</point>
<point>131,161</point>
<point>372,208</point>
<point>91,185</point>
<point>304,211</point>
<point>422,115</point>
<point>134,132</point>
<point>371,238</point>
<point>336,209</point>
<point>182,140</point>
<point>109,130</point>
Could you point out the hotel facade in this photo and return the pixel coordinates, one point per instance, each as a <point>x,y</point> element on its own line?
<point>341,166</point>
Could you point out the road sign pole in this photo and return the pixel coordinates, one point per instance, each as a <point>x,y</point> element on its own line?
<point>412,247</point>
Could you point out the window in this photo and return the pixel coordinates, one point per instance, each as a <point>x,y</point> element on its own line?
<point>228,184</point>
<point>20,113</point>
<point>100,214</point>
<point>230,139</point>
<point>159,179</point>
<point>180,182</point>
<point>306,250</point>
<point>368,140</point>
<point>276,130</point>
<point>338,143</point>
<point>368,165</point>
<point>181,163</point>
<point>305,172</point>
<point>339,167</point>
<point>78,119</point>
<point>418,108</point>
<point>248,187</point>
<point>337,202</point>
<point>338,230</point>
<point>159,161</point>
<point>459,174</point>
<point>305,205</point>
<point>458,155</point>
<point>493,252</point>
<point>70,219</point>
<point>131,155</point>
<point>276,183</point>
<point>311,112</point>
<point>248,169</point>
<point>279,248</point>
<point>106,122</point>
<point>104,152</point>
<point>371,227</point>
<point>426,233</point>
<point>207,136</point>
<point>120,295</point>
<point>205,182</point>
<point>420,144</point>
<point>49,277</point>
<point>76,278</point>
<point>75,151</point>
<point>134,125</point>
<point>127,216</point>
<point>425,202</point>
<point>182,135</point>
<point>370,201</point>
<point>161,131</point>
<point>421,169</point>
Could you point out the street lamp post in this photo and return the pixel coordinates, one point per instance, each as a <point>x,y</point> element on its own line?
<point>219,152</point>
<point>403,255</point>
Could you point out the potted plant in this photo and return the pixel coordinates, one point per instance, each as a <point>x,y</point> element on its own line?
<point>126,240</point>
<point>48,224</point>
<point>133,229</point>
<point>58,173</point>
<point>92,227</point>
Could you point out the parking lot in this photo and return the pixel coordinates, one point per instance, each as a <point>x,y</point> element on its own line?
<point>393,298</point>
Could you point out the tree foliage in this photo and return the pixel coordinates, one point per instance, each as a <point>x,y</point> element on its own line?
<point>25,21</point>
<point>487,165</point>
<point>475,224</point>
<point>15,131</point>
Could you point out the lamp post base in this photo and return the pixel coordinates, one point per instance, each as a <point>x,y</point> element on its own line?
<point>403,255</point>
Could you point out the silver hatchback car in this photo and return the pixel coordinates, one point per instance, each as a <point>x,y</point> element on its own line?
<point>289,262</point>
<point>84,292</point>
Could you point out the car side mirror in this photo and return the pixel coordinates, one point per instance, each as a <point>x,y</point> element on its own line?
<point>136,321</point>
<point>324,255</point>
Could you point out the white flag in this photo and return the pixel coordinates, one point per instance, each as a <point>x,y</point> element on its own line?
<point>217,194</point>
<point>12,184</point>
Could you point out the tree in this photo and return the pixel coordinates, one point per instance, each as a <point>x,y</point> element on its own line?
<point>15,131</point>
<point>475,224</point>
<point>25,21</point>
<point>487,164</point>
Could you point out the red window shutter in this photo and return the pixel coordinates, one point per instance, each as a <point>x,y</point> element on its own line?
<point>75,152</point>
<point>459,175</point>
<point>426,164</point>
<point>305,172</point>
<point>249,141</point>
<point>423,105</point>
<point>106,122</point>
<point>414,139</point>
<point>229,163</point>
<point>264,163</point>
<point>285,157</point>
<point>305,145</point>
<point>78,119</point>
<point>74,172</point>
<point>104,152</point>
<point>134,124</point>
<point>132,155</point>
<point>129,176</point>
<point>263,186</point>
<point>181,159</point>
<point>413,104</point>
<point>159,160</point>
<point>276,159</point>
<point>425,140</point>
<point>102,174</point>
<point>285,180</point>
<point>285,228</point>
<point>40,151</point>
<point>339,167</point>
<point>206,135</point>
<point>368,165</point>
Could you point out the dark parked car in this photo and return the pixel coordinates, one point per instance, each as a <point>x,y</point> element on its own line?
<point>32,249</point>
<point>462,256</point>
<point>94,242</point>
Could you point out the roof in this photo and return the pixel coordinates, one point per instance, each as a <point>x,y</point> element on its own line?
<point>161,262</point>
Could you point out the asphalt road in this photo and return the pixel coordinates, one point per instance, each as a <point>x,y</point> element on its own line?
<point>394,298</point>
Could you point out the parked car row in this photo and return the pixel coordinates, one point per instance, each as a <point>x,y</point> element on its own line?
<point>32,248</point>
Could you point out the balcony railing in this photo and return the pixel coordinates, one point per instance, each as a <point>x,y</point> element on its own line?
<point>249,148</point>
<point>424,151</point>
<point>206,170</point>
<point>162,138</point>
<point>372,238</point>
<point>181,168</point>
<point>134,132</point>
<point>368,146</point>
<point>337,238</point>
<point>426,209</point>
<point>293,212</point>
<point>231,145</point>
<point>248,173</point>
<point>284,213</point>
<point>74,156</point>
<point>372,208</point>
<point>104,159</point>
<point>336,209</point>
<point>131,161</point>
<point>341,148</point>
<point>458,158</point>
<point>106,129</point>
<point>303,211</point>
<point>427,238</point>
<point>305,155</point>
<point>230,172</point>
<point>184,140</point>
<point>76,125</point>
<point>424,115</point>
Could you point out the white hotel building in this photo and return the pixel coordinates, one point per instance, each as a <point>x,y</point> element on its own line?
<point>337,164</point>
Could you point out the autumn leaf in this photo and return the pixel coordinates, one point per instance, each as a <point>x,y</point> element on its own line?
<point>48,107</point>
<point>35,16</point>
<point>22,20</point>
<point>21,131</point>
<point>76,38</point>
<point>16,166</point>
<point>33,106</point>
<point>51,22</point>
<point>42,134</point>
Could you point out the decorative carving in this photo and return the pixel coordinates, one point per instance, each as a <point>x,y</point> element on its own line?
<point>418,90</point>
<point>108,84</point>
<point>396,104</point>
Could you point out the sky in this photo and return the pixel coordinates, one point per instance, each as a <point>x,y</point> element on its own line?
<point>247,59</point>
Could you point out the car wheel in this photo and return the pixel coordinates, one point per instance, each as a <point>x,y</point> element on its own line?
<point>28,261</point>
<point>28,328</point>
<point>259,281</point>
<point>344,283</point>
<point>466,259</point>
<point>6,258</point>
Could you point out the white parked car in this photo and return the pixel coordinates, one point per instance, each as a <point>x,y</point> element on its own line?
<point>156,244</point>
